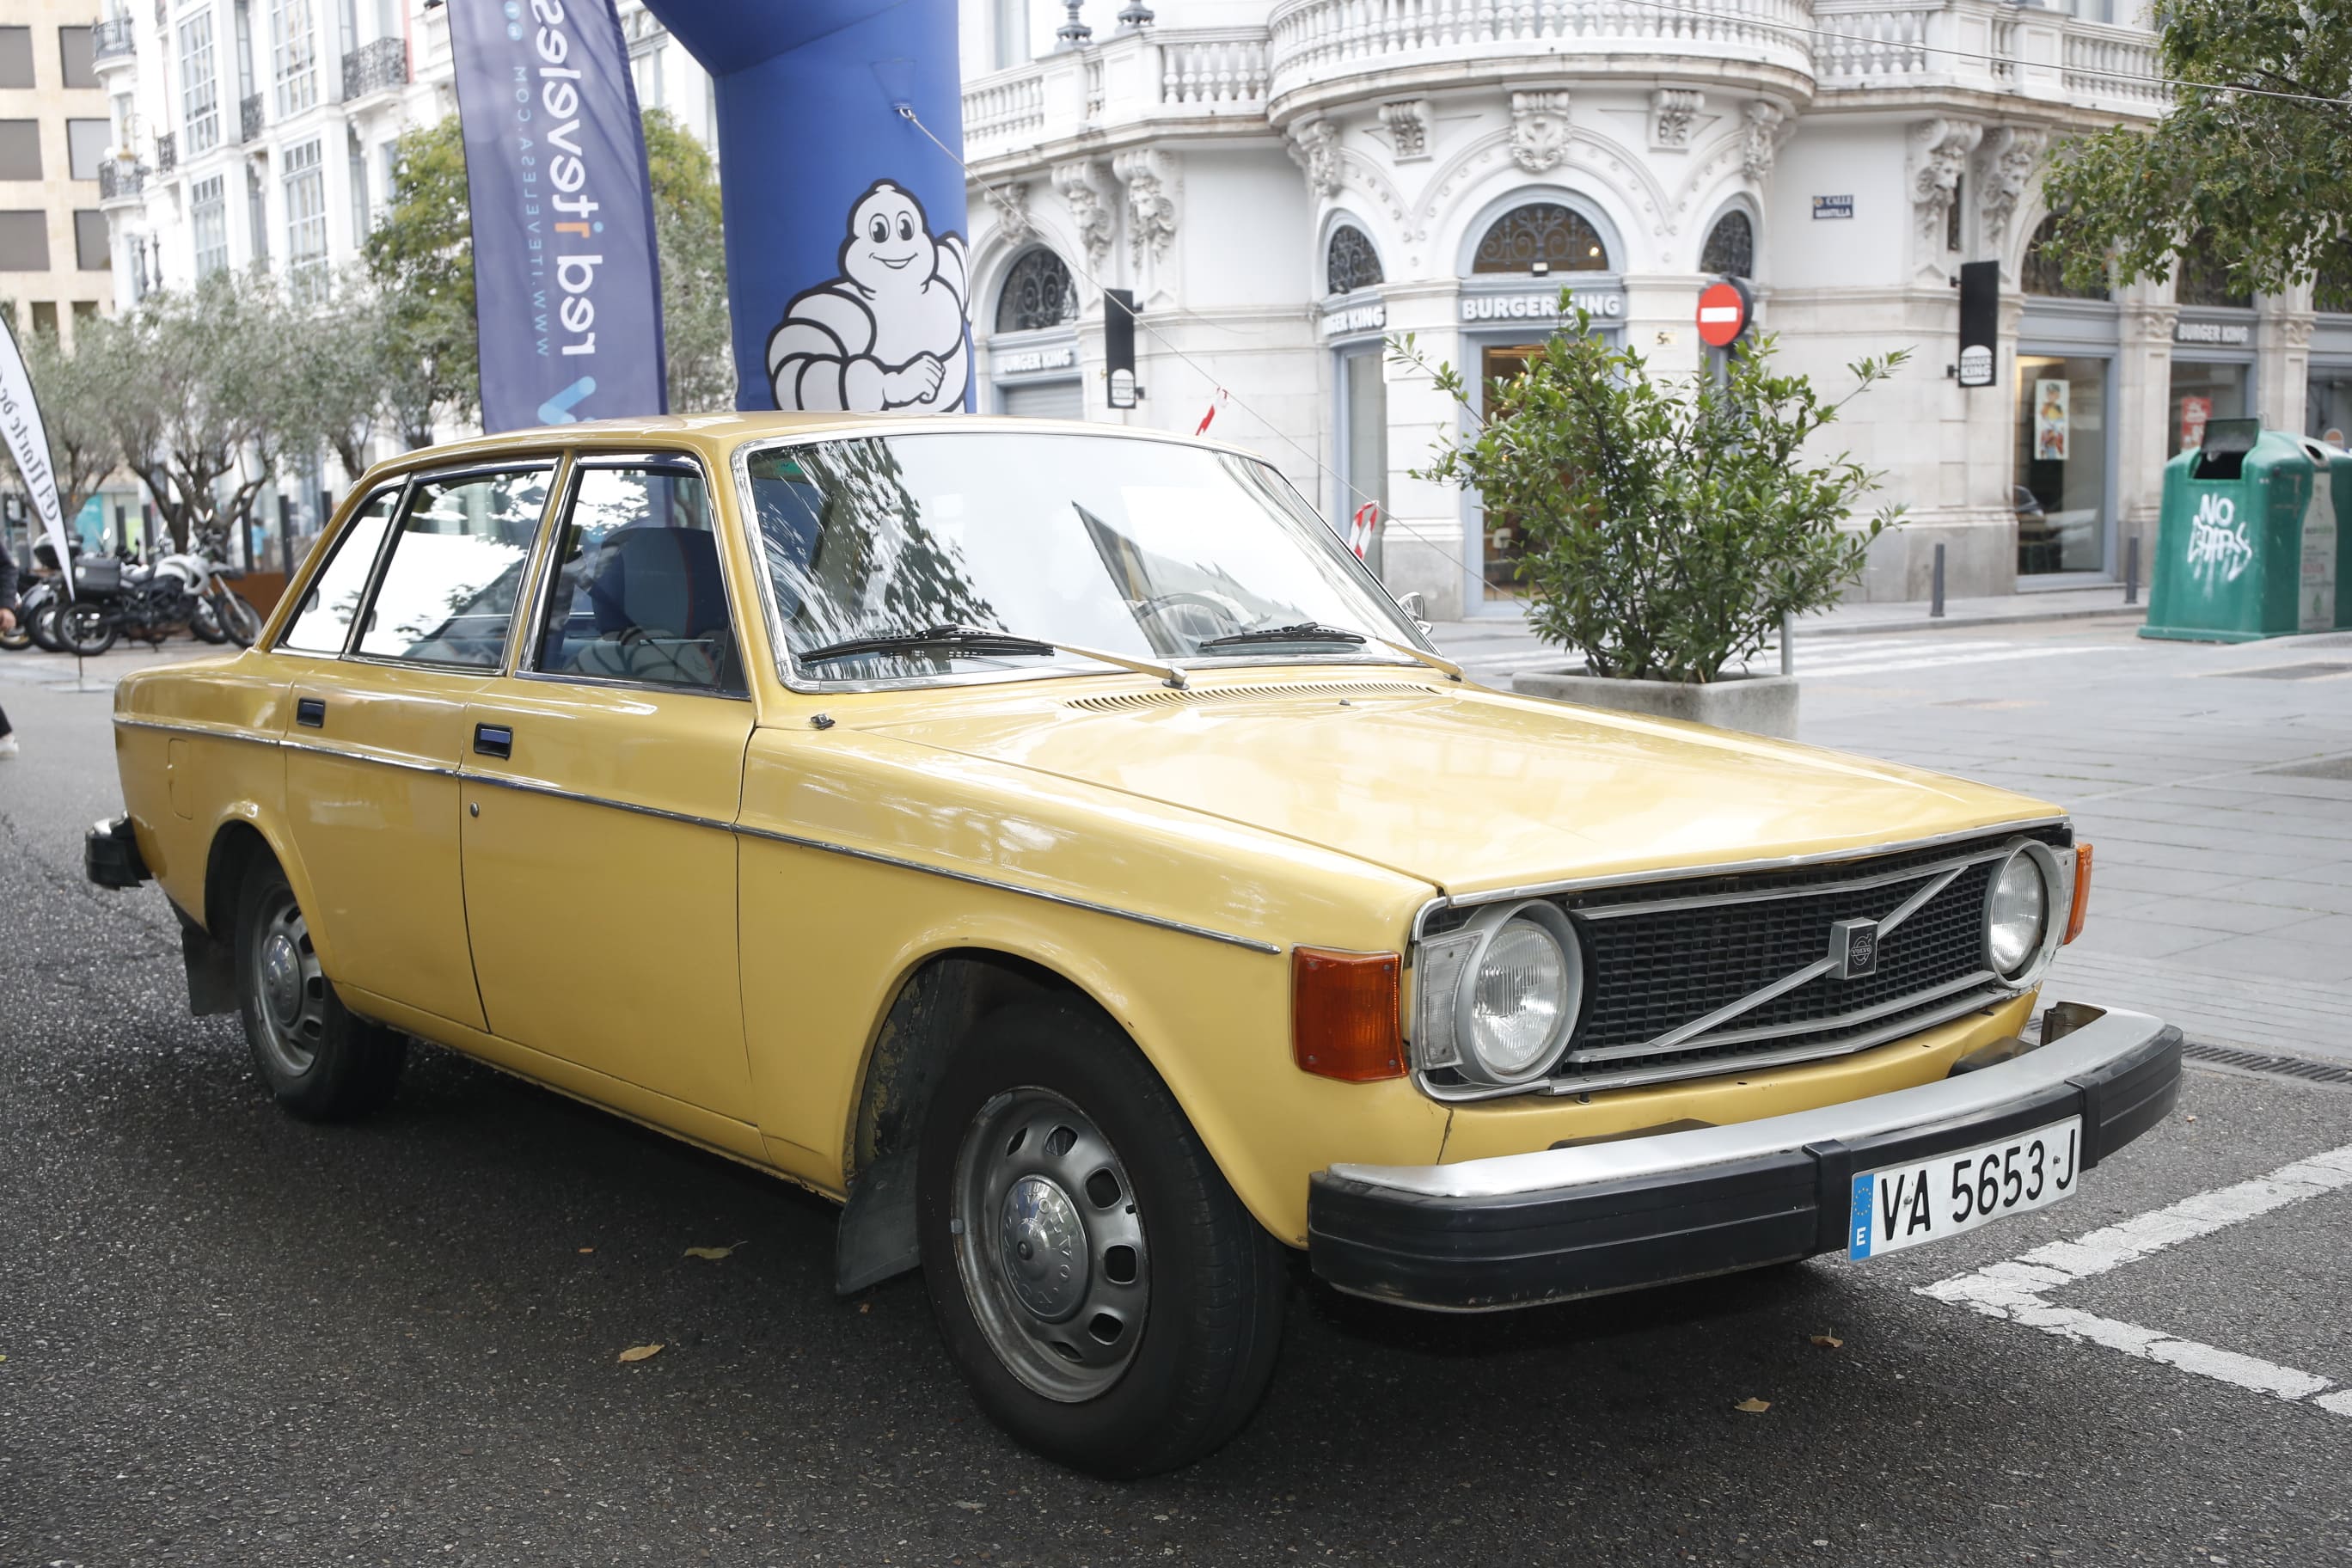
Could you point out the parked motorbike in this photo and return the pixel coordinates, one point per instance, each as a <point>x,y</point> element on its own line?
<point>37,609</point>
<point>113,600</point>
<point>221,614</point>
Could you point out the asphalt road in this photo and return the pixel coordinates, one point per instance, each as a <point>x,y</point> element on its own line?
<point>232,1338</point>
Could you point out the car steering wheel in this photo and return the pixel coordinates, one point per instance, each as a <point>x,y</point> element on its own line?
<point>1158,604</point>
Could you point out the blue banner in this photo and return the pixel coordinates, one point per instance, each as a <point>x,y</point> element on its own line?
<point>567,285</point>
<point>846,268</point>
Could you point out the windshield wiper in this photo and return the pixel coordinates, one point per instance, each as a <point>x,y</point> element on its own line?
<point>948,638</point>
<point>957,639</point>
<point>1302,631</point>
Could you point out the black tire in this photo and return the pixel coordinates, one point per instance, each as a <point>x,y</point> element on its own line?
<point>320,1062</point>
<point>239,621</point>
<point>1211,1315</point>
<point>87,630</point>
<point>42,626</point>
<point>204,625</point>
<point>17,638</point>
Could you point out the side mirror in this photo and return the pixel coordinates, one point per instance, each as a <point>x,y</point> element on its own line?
<point>1414,604</point>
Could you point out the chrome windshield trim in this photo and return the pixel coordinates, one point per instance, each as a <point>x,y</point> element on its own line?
<point>2105,1040</point>
<point>1723,869</point>
<point>406,765</point>
<point>974,879</point>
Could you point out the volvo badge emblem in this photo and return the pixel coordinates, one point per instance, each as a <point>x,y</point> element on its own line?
<point>1853,948</point>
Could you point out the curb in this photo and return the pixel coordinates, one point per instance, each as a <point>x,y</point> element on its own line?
<point>1949,623</point>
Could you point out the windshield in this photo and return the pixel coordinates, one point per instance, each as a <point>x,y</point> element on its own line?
<point>1145,549</point>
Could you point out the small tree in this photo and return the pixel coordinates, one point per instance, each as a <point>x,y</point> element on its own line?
<point>341,355</point>
<point>1670,525</point>
<point>2257,183</point>
<point>696,332</point>
<point>200,399</point>
<point>74,393</point>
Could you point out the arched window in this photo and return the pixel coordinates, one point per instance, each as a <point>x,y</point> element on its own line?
<point>2332,290</point>
<point>1350,262</point>
<point>1731,247</point>
<point>2042,274</point>
<point>2203,279</point>
<point>1037,293</point>
<point>1540,237</point>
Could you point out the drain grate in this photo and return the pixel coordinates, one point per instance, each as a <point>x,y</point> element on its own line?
<point>2316,669</point>
<point>2277,1067</point>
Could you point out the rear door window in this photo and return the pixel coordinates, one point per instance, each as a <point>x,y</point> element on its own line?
<point>448,593</point>
<point>323,624</point>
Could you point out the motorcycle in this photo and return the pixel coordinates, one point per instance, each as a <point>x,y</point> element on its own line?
<point>112,599</point>
<point>221,614</point>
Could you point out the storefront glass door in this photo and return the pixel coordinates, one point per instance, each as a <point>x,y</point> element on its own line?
<point>2060,488</point>
<point>1501,542</point>
<point>2200,394</point>
<point>1364,442</point>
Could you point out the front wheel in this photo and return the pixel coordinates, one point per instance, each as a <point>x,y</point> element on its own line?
<point>18,636</point>
<point>204,625</point>
<point>238,621</point>
<point>1108,1298</point>
<point>87,630</point>
<point>41,626</point>
<point>319,1061</point>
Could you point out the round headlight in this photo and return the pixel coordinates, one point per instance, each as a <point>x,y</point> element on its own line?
<point>2017,910</point>
<point>1519,1005</point>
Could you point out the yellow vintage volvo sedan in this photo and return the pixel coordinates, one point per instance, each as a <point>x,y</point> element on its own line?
<point>1049,842</point>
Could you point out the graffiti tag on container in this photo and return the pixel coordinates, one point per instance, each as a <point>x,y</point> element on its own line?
<point>2219,550</point>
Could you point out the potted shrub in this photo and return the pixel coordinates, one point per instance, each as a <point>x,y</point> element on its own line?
<point>1671,524</point>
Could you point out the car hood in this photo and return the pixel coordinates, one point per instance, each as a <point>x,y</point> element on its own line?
<point>1468,789</point>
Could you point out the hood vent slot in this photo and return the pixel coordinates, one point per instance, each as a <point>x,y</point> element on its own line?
<point>1126,700</point>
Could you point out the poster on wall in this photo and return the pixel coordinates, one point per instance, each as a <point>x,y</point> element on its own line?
<point>2194,413</point>
<point>2050,421</point>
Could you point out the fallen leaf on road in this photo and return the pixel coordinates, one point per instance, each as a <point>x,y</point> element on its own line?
<point>865,1306</point>
<point>1827,1341</point>
<point>1754,1406</point>
<point>712,1253</point>
<point>2189,1119</point>
<point>974,1507</point>
<point>641,1352</point>
<point>585,1250</point>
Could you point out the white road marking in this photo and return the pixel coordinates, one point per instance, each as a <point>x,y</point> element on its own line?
<point>2018,1289</point>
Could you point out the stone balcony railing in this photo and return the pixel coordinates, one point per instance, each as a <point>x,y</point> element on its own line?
<point>1161,81</point>
<point>1931,46</point>
<point>1316,45</point>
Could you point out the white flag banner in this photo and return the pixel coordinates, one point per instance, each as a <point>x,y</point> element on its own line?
<point>28,443</point>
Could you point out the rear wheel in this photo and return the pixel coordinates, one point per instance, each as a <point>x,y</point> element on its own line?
<point>18,636</point>
<point>1108,1298</point>
<point>319,1061</point>
<point>87,630</point>
<point>41,626</point>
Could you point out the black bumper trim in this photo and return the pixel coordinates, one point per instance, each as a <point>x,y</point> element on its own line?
<point>1485,1253</point>
<point>111,857</point>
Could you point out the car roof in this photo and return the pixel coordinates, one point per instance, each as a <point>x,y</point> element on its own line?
<point>717,435</point>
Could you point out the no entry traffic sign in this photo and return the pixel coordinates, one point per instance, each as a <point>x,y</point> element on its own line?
<point>1723,311</point>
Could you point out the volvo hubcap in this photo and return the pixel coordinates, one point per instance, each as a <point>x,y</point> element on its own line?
<point>1049,1244</point>
<point>288,987</point>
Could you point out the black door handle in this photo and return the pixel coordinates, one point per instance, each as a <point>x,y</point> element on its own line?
<point>493,741</point>
<point>311,712</point>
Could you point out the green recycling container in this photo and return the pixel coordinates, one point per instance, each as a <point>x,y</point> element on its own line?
<point>2334,493</point>
<point>2238,522</point>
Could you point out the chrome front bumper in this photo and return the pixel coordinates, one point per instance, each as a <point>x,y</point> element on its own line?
<point>1522,1229</point>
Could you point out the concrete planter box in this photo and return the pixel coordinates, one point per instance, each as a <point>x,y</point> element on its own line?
<point>1758,704</point>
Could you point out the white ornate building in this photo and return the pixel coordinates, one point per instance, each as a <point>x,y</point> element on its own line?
<point>1284,184</point>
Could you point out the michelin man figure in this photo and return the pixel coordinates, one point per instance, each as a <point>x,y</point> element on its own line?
<point>889,332</point>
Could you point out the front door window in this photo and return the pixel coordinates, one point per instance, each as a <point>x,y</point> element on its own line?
<point>2060,493</point>
<point>450,590</point>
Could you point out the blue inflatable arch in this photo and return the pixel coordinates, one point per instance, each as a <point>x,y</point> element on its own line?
<point>846,265</point>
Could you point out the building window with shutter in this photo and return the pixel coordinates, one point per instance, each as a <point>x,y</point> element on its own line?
<point>199,86</point>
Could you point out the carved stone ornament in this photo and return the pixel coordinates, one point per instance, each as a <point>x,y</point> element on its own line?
<point>1539,129</point>
<point>1080,185</point>
<point>1760,136</point>
<point>1939,155</point>
<point>1151,201</point>
<point>2294,331</point>
<point>1011,200</point>
<point>1314,147</point>
<point>1673,114</point>
<point>1408,124</point>
<point>2005,167</point>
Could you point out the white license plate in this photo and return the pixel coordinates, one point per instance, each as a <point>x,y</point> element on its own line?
<point>1904,1205</point>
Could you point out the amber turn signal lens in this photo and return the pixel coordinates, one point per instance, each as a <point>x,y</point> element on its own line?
<point>2081,909</point>
<point>1343,1014</point>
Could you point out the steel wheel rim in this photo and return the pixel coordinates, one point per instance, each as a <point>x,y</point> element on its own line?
<point>289,990</point>
<point>1049,1245</point>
